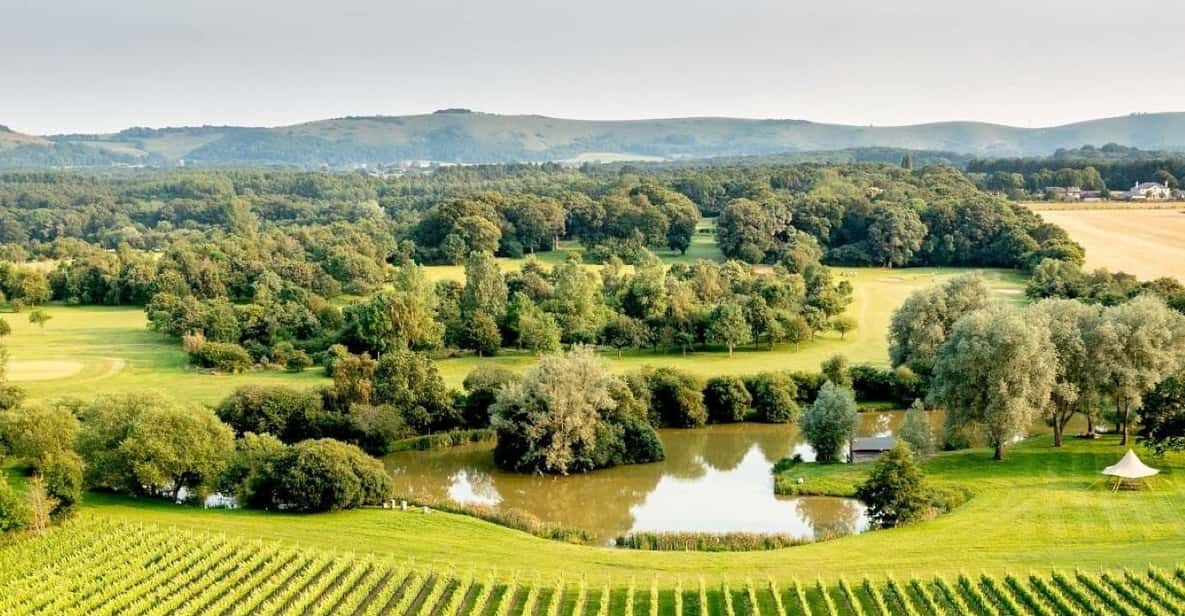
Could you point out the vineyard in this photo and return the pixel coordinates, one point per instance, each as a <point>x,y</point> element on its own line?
<point>98,567</point>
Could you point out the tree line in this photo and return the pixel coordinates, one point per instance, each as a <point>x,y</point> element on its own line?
<point>1110,166</point>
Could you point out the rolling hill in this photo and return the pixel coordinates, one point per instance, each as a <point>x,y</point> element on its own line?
<point>461,136</point>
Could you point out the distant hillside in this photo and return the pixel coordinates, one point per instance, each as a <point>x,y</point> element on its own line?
<point>458,135</point>
<point>12,139</point>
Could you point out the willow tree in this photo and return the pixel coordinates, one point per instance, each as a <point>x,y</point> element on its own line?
<point>1143,342</point>
<point>996,369</point>
<point>921,324</point>
<point>1079,374</point>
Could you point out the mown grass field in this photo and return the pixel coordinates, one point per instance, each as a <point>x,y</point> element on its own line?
<point>1040,509</point>
<point>1146,242</point>
<point>89,350</point>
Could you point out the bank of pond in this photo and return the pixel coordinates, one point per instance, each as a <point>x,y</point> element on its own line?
<point>714,483</point>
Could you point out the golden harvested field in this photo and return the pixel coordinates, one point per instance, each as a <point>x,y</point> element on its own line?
<point>1149,243</point>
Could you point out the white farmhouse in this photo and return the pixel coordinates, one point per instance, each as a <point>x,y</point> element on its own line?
<point>1150,191</point>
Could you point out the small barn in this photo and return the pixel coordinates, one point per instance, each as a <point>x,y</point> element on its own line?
<point>867,449</point>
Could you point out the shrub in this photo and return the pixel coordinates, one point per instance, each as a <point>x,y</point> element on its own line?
<point>830,422</point>
<point>915,430</point>
<point>639,442</point>
<point>221,356</point>
<point>148,444</point>
<point>374,428</point>
<point>410,382</point>
<point>893,492</point>
<point>38,430</point>
<point>872,384</point>
<point>676,399</point>
<point>835,369</point>
<point>727,400</point>
<point>482,386</point>
<point>251,475</point>
<point>325,475</point>
<point>290,414</point>
<point>14,511</point>
<point>63,479</point>
<point>773,397</point>
<point>298,361</point>
<point>807,386</point>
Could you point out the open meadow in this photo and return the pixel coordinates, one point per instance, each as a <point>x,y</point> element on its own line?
<point>1149,243</point>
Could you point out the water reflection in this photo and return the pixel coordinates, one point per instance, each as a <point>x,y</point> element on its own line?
<point>713,479</point>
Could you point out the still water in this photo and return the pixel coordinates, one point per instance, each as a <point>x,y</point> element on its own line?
<point>714,479</point>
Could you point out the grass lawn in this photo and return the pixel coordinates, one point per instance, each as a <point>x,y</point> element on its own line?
<point>89,350</point>
<point>1040,509</point>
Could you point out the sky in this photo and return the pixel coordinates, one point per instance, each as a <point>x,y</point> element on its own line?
<point>104,65</point>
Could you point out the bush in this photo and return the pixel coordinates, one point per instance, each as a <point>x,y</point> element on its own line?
<point>251,474</point>
<point>894,492</point>
<point>835,369</point>
<point>676,399</point>
<point>298,361</point>
<point>830,423</point>
<point>288,413</point>
<point>773,397</point>
<point>148,444</point>
<point>63,480</point>
<point>807,384</point>
<point>410,382</point>
<point>915,430</point>
<point>14,511</point>
<point>639,442</point>
<point>727,400</point>
<point>374,428</point>
<point>326,475</point>
<point>482,386</point>
<point>221,356</point>
<point>872,384</point>
<point>38,430</point>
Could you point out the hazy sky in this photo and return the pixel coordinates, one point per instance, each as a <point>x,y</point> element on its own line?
<point>102,65</point>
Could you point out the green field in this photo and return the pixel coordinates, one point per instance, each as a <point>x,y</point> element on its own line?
<point>99,568</point>
<point>89,350</point>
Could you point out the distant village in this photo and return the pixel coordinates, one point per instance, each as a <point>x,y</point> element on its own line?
<point>1142,191</point>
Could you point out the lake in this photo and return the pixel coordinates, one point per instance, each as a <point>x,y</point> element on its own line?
<point>714,479</point>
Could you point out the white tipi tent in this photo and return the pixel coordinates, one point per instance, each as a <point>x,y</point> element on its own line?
<point>1129,468</point>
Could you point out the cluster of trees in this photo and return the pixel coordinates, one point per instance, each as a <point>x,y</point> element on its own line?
<point>1066,279</point>
<point>998,367</point>
<point>682,307</point>
<point>628,218</point>
<point>150,445</point>
<point>1088,167</point>
<point>883,216</point>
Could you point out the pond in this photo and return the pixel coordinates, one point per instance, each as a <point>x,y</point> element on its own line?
<point>714,479</point>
